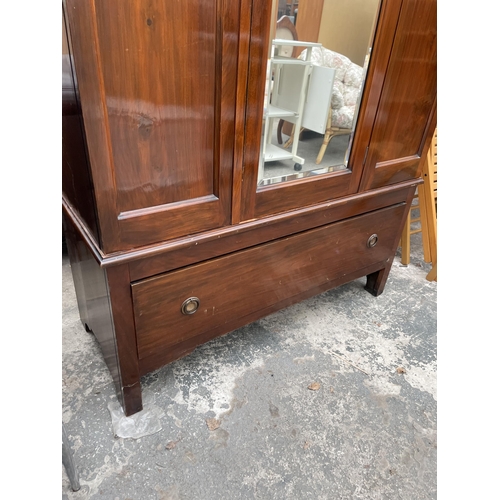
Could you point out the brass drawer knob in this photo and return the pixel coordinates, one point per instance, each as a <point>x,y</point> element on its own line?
<point>190,306</point>
<point>372,241</point>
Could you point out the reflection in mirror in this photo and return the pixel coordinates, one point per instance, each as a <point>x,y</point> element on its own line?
<point>318,57</point>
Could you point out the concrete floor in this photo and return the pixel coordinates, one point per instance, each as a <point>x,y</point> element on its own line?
<point>367,432</point>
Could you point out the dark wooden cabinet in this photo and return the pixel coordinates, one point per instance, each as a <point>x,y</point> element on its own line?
<point>171,239</point>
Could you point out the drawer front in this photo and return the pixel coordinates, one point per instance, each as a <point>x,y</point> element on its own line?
<point>250,280</point>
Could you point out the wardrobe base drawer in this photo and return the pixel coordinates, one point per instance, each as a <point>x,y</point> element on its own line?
<point>177,306</point>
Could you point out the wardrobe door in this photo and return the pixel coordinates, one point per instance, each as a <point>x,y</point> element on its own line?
<point>406,116</point>
<point>352,47</point>
<point>157,85</point>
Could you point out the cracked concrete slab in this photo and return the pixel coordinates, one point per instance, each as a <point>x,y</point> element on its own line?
<point>367,431</point>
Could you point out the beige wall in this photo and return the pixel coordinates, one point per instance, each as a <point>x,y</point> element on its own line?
<point>346,27</point>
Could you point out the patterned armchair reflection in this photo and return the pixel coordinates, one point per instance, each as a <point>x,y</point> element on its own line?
<point>346,93</point>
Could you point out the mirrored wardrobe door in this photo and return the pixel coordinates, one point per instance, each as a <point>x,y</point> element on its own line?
<point>308,70</point>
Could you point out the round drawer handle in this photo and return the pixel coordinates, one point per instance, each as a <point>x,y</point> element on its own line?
<point>190,306</point>
<point>372,241</point>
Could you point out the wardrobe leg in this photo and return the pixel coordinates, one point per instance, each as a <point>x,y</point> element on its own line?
<point>375,282</point>
<point>125,338</point>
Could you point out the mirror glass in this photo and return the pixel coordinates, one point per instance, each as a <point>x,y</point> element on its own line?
<point>317,61</point>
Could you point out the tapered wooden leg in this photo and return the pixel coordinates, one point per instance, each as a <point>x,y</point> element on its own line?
<point>327,138</point>
<point>125,338</point>
<point>405,242</point>
<point>430,209</point>
<point>375,282</point>
<point>424,222</point>
<point>326,141</point>
<point>106,303</point>
<point>432,274</point>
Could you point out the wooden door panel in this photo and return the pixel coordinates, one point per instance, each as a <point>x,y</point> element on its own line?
<point>159,78</point>
<point>405,117</point>
<point>281,197</point>
<point>165,113</point>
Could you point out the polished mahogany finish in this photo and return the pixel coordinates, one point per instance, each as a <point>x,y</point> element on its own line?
<point>76,177</point>
<point>162,123</point>
<point>227,288</point>
<point>406,116</point>
<point>186,251</point>
<point>104,312</point>
<point>158,78</point>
